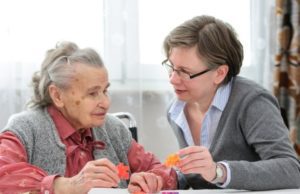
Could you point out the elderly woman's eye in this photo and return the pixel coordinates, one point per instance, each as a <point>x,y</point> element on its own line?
<point>93,93</point>
<point>105,92</point>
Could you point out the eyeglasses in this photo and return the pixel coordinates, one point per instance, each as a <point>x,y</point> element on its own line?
<point>181,73</point>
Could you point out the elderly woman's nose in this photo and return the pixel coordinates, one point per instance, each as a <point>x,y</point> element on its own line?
<point>104,101</point>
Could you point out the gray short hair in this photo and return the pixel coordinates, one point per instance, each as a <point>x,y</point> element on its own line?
<point>216,42</point>
<point>57,68</point>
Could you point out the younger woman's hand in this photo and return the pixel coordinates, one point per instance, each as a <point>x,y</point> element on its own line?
<point>197,159</point>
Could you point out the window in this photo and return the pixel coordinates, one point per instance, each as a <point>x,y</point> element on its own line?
<point>127,33</point>
<point>29,28</point>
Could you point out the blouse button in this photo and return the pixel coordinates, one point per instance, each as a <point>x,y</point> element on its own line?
<point>82,154</point>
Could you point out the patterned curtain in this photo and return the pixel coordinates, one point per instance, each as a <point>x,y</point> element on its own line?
<point>287,62</point>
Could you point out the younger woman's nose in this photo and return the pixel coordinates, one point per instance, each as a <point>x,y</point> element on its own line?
<point>174,78</point>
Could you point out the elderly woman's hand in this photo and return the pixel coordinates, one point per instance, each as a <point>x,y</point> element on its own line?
<point>145,182</point>
<point>100,173</point>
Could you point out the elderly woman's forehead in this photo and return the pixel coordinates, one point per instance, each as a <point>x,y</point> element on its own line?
<point>80,67</point>
<point>88,72</point>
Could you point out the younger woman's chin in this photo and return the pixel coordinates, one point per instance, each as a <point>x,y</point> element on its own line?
<point>182,98</point>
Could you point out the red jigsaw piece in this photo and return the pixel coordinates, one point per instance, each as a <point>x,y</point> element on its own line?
<point>123,171</point>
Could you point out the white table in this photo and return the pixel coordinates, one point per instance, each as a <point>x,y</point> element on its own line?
<point>125,191</point>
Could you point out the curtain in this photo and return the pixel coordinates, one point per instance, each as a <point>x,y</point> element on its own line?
<point>286,71</point>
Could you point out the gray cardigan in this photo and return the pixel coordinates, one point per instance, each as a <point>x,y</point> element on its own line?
<point>253,139</point>
<point>44,149</point>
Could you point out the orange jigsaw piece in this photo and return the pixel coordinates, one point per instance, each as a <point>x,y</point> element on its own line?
<point>172,160</point>
<point>123,171</point>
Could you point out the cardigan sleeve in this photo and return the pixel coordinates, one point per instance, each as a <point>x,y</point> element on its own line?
<point>16,175</point>
<point>265,132</point>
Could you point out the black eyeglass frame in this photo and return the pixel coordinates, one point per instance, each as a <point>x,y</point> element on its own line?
<point>164,63</point>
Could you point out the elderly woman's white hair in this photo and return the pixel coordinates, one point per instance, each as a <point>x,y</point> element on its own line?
<point>57,68</point>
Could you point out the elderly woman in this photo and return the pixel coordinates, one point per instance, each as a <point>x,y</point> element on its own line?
<point>66,142</point>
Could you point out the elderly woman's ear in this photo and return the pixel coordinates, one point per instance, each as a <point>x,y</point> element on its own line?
<point>56,95</point>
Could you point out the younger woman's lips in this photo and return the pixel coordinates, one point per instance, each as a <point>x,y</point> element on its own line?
<point>180,91</point>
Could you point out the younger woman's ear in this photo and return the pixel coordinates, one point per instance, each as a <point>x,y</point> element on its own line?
<point>55,95</point>
<point>222,72</point>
